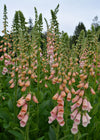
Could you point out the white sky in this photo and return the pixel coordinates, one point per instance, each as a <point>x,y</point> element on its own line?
<point>71,12</point>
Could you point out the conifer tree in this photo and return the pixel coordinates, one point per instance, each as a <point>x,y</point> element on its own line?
<point>77,31</point>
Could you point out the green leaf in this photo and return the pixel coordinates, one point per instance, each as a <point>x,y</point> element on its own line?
<point>52,135</point>
<point>16,134</point>
<point>3,136</point>
<point>83,135</point>
<point>20,130</point>
<point>44,105</point>
<point>41,138</point>
<point>6,125</point>
<point>4,114</point>
<point>67,136</point>
<point>10,105</point>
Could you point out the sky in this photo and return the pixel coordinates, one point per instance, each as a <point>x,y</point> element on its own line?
<point>71,12</point>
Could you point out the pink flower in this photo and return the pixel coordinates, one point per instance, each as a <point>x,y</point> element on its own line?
<point>60,117</point>
<point>1,46</point>
<point>5,55</point>
<point>77,119</point>
<point>6,62</point>
<point>88,117</point>
<point>50,52</point>
<point>81,93</point>
<point>28,97</point>
<point>54,111</point>
<point>35,99</point>
<point>20,115</point>
<point>74,114</point>
<point>85,104</point>
<point>73,107</point>
<point>74,129</point>
<point>62,123</point>
<point>84,120</point>
<point>24,108</point>
<point>69,96</point>
<point>51,119</point>
<point>60,100</point>
<point>5,69</point>
<point>89,107</point>
<point>63,94</point>
<point>55,97</point>
<point>12,85</point>
<point>92,91</point>
<point>21,102</point>
<point>3,73</point>
<point>1,58</point>
<point>24,120</point>
<point>61,107</point>
<point>46,86</point>
<point>78,91</point>
<point>40,54</point>
<point>51,47</point>
<point>86,86</point>
<point>4,49</point>
<point>75,99</point>
<point>79,102</point>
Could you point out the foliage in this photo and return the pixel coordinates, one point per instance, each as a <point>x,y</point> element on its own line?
<point>77,31</point>
<point>44,80</point>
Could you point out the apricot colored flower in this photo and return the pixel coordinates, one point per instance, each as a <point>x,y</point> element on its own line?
<point>92,91</point>
<point>63,94</point>
<point>24,108</point>
<point>20,115</point>
<point>54,111</point>
<point>55,97</point>
<point>75,99</point>
<point>69,96</point>
<point>79,102</point>
<point>28,97</point>
<point>35,99</point>
<point>21,102</point>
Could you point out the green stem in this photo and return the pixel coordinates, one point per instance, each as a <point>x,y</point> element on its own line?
<point>38,83</point>
<point>75,137</point>
<point>15,97</point>
<point>38,74</point>
<point>66,117</point>
<point>57,133</point>
<point>96,66</point>
<point>27,132</point>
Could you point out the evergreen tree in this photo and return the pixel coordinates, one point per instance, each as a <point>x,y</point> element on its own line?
<point>96,23</point>
<point>77,31</point>
<point>30,25</point>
